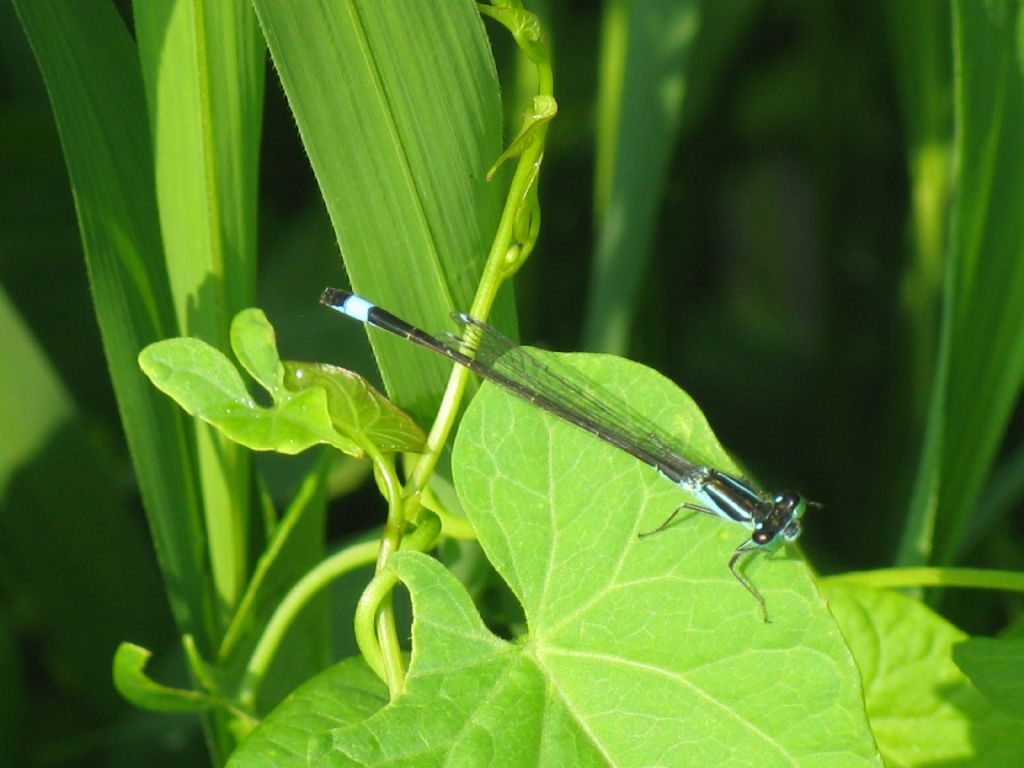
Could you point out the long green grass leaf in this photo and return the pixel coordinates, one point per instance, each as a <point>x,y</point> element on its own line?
<point>202,66</point>
<point>981,365</point>
<point>91,72</point>
<point>397,105</point>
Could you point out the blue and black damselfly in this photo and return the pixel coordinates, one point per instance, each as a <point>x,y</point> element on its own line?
<point>773,519</point>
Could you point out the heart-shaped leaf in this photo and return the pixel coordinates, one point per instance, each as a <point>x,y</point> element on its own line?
<point>639,652</point>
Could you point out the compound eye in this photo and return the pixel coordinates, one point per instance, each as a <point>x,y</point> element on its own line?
<point>760,537</point>
<point>788,499</point>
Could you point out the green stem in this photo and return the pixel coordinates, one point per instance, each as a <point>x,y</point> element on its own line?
<point>383,662</point>
<point>388,648</point>
<point>308,587</point>
<point>377,592</point>
<point>514,240</point>
<point>517,230</point>
<point>971,578</point>
<point>309,493</point>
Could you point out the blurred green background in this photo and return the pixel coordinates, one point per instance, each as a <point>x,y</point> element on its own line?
<point>788,275</point>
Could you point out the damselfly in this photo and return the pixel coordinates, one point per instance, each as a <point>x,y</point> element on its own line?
<point>773,519</point>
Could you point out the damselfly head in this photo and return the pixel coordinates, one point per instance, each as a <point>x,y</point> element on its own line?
<point>779,519</point>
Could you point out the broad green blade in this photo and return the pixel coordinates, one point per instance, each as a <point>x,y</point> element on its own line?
<point>397,105</point>
<point>203,68</point>
<point>203,65</point>
<point>91,71</point>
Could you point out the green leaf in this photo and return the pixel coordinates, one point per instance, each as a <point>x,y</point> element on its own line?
<point>205,383</point>
<point>347,693</point>
<point>200,378</point>
<point>587,695</point>
<point>131,681</point>
<point>91,68</point>
<point>922,709</point>
<point>639,651</point>
<point>321,404</point>
<point>203,67</point>
<point>981,363</point>
<point>255,345</point>
<point>994,665</point>
<point>356,407</point>
<point>397,105</point>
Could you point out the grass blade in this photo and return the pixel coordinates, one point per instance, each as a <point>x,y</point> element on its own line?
<point>397,104</point>
<point>202,66</point>
<point>91,72</point>
<point>981,366</point>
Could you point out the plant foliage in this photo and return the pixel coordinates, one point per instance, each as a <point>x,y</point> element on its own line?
<point>830,198</point>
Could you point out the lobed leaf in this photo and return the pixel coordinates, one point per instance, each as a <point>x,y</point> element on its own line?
<point>319,405</point>
<point>638,651</point>
<point>204,382</point>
